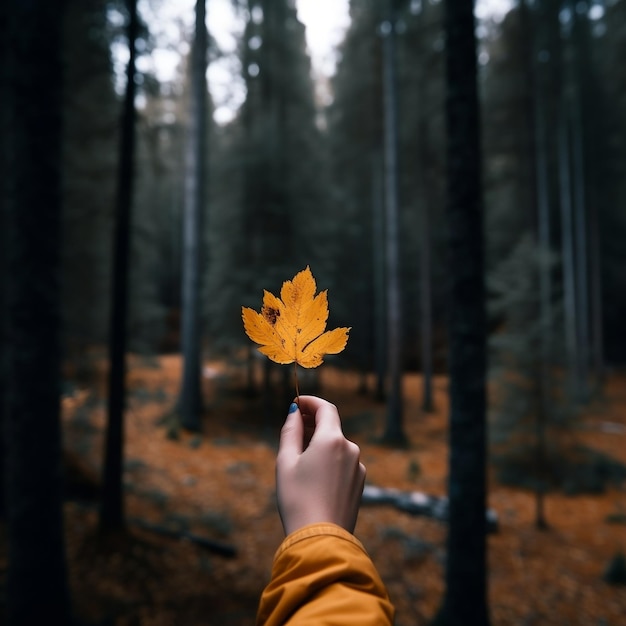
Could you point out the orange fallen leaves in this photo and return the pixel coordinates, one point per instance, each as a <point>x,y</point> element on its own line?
<point>290,329</point>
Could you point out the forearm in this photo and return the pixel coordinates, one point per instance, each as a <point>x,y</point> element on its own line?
<point>321,572</point>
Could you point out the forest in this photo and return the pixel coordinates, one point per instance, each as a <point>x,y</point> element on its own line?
<point>457,184</point>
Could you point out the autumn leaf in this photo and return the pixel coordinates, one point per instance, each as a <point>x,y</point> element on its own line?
<point>290,329</point>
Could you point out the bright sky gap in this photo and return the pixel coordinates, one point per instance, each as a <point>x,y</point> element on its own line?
<point>171,22</point>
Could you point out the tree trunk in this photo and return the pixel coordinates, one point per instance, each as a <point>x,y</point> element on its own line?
<point>465,600</point>
<point>4,242</point>
<point>4,371</point>
<point>545,80</point>
<point>394,433</point>
<point>584,135</point>
<point>425,276</point>
<point>597,330</point>
<point>545,300</point>
<point>587,83</point>
<point>378,257</point>
<point>112,512</point>
<point>579,207</point>
<point>36,586</point>
<point>580,247</point>
<point>190,402</point>
<point>540,228</point>
<point>567,243</point>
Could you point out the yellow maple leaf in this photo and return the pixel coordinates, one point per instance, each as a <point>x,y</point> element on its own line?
<point>290,329</point>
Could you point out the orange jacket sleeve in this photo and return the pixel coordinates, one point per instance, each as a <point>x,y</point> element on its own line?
<point>322,576</point>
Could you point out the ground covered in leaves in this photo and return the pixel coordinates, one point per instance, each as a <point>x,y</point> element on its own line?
<point>220,486</point>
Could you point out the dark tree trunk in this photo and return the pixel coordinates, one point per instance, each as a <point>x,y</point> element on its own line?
<point>112,512</point>
<point>4,370</point>
<point>36,587</point>
<point>394,433</point>
<point>190,402</point>
<point>4,241</point>
<point>597,330</point>
<point>579,209</point>
<point>545,301</point>
<point>542,32</point>
<point>426,319</point>
<point>378,256</point>
<point>587,83</point>
<point>584,136</point>
<point>465,600</point>
<point>539,221</point>
<point>581,247</point>
<point>544,229</point>
<point>568,261</point>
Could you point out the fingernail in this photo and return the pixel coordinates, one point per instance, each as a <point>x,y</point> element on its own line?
<point>293,407</point>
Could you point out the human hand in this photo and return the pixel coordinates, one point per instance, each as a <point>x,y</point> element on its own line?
<point>318,474</point>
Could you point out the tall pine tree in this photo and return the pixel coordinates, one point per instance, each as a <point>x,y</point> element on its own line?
<point>112,512</point>
<point>32,64</point>
<point>465,599</point>
<point>190,401</point>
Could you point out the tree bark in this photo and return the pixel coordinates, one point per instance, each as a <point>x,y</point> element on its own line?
<point>378,256</point>
<point>425,276</point>
<point>190,402</point>
<point>586,83</point>
<point>4,242</point>
<point>394,433</point>
<point>579,202</point>
<point>112,512</point>
<point>540,221</point>
<point>36,588</point>
<point>465,600</point>
<point>567,243</point>
<point>597,330</point>
<point>585,136</point>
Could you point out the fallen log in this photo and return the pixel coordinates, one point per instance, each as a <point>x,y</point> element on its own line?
<point>217,547</point>
<point>418,503</point>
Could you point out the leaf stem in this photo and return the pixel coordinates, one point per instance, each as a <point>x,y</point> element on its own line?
<point>295,375</point>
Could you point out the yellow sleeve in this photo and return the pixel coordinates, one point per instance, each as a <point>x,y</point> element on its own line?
<point>322,576</point>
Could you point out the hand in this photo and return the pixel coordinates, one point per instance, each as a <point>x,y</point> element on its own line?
<point>318,474</point>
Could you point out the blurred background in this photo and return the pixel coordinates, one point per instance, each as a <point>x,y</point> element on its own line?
<point>208,151</point>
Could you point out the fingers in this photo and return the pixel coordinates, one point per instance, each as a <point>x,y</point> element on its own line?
<point>292,433</point>
<point>312,416</point>
<point>309,405</point>
<point>322,414</point>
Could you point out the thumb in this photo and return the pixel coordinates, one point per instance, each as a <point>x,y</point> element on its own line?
<point>292,432</point>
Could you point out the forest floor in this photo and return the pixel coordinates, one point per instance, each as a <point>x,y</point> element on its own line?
<point>220,485</point>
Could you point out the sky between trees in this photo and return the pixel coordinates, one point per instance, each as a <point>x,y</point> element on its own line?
<point>170,22</point>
